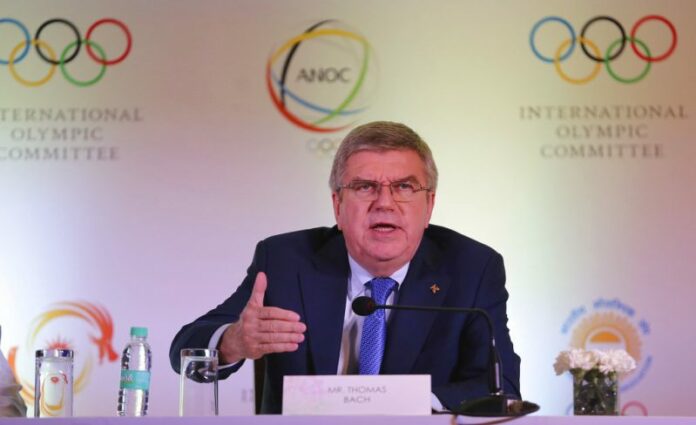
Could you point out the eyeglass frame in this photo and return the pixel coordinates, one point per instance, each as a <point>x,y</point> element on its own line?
<point>380,185</point>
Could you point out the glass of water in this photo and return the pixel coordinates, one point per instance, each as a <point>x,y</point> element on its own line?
<point>53,383</point>
<point>198,382</point>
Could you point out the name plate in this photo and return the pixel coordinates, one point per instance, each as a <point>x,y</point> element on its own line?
<point>357,395</point>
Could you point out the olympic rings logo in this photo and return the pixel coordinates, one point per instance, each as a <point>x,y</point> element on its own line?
<point>68,53</point>
<point>613,51</point>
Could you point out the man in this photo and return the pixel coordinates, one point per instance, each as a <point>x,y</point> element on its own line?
<point>294,306</point>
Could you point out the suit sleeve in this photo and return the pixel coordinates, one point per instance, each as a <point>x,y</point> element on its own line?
<point>198,333</point>
<point>471,374</point>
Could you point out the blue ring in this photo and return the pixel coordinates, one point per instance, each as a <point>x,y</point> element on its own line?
<point>27,39</point>
<point>308,104</point>
<point>542,22</point>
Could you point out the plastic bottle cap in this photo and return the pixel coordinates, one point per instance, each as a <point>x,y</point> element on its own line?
<point>138,331</point>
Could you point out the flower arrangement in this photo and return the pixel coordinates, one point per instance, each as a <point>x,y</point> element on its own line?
<point>595,378</point>
<point>579,361</point>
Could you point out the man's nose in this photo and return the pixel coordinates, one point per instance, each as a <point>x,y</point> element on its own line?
<point>384,196</point>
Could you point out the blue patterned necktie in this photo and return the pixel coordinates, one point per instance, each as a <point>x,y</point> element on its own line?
<point>374,332</point>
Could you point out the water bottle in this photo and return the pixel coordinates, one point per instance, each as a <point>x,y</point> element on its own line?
<point>135,375</point>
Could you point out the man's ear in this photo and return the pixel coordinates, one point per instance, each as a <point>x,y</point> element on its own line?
<point>431,205</point>
<point>336,201</point>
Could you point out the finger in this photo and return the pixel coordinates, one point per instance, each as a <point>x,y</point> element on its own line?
<point>279,337</point>
<point>277,313</point>
<point>259,289</point>
<point>281,326</point>
<point>282,347</point>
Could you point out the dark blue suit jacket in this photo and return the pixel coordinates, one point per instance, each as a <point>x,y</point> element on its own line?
<point>308,273</point>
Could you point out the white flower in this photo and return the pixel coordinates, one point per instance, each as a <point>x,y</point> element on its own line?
<point>618,361</point>
<point>578,359</point>
<point>584,359</point>
<point>562,363</point>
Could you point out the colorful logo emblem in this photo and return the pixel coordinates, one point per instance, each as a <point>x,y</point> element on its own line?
<point>561,49</point>
<point>61,55</point>
<point>323,78</point>
<point>611,324</point>
<point>83,327</point>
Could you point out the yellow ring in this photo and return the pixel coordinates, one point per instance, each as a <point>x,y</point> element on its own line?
<point>314,34</point>
<point>15,74</point>
<point>591,76</point>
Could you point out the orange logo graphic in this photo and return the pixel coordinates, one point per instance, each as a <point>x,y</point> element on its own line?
<point>611,324</point>
<point>45,333</point>
<point>608,331</point>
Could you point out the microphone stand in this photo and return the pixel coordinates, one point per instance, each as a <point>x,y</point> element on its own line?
<point>495,404</point>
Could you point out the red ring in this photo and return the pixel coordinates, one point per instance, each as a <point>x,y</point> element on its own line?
<point>292,118</point>
<point>671,28</point>
<point>637,404</point>
<point>129,41</point>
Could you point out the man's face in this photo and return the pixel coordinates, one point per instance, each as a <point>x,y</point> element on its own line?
<point>383,235</point>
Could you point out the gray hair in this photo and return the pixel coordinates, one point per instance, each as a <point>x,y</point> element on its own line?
<point>381,136</point>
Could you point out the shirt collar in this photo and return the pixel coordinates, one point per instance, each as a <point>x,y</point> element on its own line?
<point>359,276</point>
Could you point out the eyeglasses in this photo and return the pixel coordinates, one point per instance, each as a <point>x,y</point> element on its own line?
<point>368,190</point>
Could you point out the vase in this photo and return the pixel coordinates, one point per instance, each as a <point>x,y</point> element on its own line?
<point>595,393</point>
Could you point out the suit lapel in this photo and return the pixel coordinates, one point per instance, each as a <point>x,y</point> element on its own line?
<point>324,300</point>
<point>408,330</point>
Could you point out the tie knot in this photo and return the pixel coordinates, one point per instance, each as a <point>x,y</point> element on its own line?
<point>381,288</point>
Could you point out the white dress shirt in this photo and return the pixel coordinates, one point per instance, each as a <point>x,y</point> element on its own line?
<point>352,323</point>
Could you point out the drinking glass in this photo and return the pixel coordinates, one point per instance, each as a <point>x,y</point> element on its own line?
<point>198,382</point>
<point>53,383</point>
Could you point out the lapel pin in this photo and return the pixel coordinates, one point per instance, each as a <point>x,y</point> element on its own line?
<point>434,288</point>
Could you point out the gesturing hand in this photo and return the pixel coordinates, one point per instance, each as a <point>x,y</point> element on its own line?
<point>261,330</point>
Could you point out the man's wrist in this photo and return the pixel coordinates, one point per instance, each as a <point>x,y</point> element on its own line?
<point>216,343</point>
<point>227,346</point>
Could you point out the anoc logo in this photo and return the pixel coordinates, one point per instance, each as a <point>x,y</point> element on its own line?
<point>322,78</point>
<point>53,50</point>
<point>652,39</point>
<point>83,327</point>
<point>611,324</point>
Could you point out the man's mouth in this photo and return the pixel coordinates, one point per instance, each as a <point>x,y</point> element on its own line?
<point>383,227</point>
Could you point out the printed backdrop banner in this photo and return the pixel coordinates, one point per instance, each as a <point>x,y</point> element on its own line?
<point>145,147</point>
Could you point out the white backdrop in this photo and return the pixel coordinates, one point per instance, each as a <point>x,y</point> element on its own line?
<point>202,165</point>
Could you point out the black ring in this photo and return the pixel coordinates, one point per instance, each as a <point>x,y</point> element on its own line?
<point>72,27</point>
<point>291,53</point>
<point>613,21</point>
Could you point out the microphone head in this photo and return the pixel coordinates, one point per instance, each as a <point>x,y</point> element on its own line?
<point>364,306</point>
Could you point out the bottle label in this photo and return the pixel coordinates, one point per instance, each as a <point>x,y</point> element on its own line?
<point>135,379</point>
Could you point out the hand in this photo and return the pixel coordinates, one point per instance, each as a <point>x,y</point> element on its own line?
<point>261,330</point>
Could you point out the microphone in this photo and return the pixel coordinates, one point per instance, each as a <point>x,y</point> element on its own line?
<point>497,403</point>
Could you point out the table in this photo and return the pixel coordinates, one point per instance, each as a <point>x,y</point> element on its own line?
<point>352,420</point>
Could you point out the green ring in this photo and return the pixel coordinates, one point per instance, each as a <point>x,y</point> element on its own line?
<point>354,91</point>
<point>70,77</point>
<point>616,76</point>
